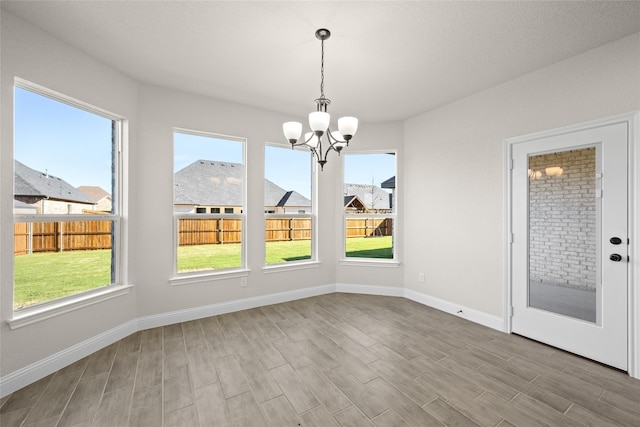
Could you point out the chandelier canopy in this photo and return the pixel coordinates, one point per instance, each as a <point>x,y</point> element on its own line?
<point>319,121</point>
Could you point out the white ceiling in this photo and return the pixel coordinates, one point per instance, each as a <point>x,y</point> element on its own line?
<point>384,61</point>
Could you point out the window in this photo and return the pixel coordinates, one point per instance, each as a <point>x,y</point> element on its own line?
<point>369,205</point>
<point>66,210</point>
<point>288,205</point>
<point>209,175</point>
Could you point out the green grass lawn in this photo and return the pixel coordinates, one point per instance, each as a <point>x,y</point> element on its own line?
<point>295,250</point>
<point>209,257</point>
<point>369,247</point>
<point>47,276</point>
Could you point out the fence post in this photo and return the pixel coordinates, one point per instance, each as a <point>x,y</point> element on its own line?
<point>61,238</point>
<point>290,229</point>
<point>29,237</point>
<point>56,236</point>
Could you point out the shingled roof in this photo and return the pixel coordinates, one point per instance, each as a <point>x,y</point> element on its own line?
<point>389,183</point>
<point>33,183</point>
<point>94,192</point>
<point>215,183</point>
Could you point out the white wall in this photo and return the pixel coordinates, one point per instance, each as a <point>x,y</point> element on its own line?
<point>453,166</point>
<point>32,55</point>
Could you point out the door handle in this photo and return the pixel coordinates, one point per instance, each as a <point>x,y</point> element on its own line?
<point>615,240</point>
<point>615,257</point>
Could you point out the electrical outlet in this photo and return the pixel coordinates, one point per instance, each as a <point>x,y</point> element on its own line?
<point>243,282</point>
<point>420,277</point>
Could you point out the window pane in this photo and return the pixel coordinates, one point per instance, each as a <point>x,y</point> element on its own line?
<point>369,237</point>
<point>63,157</point>
<point>58,259</point>
<point>287,239</point>
<point>369,204</point>
<point>563,233</point>
<point>287,191</point>
<point>208,180</point>
<point>64,163</point>
<point>209,244</point>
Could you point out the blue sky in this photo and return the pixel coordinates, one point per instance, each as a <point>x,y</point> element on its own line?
<point>64,141</point>
<point>75,145</point>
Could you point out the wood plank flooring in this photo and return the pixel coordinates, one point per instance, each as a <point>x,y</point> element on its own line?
<point>332,360</point>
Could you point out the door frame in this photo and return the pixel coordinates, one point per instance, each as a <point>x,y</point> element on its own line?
<point>633,276</point>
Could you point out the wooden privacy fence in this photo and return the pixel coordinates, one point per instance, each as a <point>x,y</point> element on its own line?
<point>31,237</point>
<point>90,235</point>
<point>212,231</point>
<point>369,227</point>
<point>284,229</point>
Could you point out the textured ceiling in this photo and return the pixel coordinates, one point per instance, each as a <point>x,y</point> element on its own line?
<point>384,60</point>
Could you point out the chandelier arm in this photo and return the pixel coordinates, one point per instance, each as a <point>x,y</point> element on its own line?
<point>333,142</point>
<point>317,151</point>
<point>314,152</point>
<point>330,137</point>
<point>300,141</point>
<point>324,160</point>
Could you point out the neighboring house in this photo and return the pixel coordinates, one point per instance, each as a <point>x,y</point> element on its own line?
<point>373,198</point>
<point>353,204</point>
<point>210,186</point>
<point>278,200</point>
<point>48,194</point>
<point>21,208</point>
<point>390,184</point>
<point>100,196</point>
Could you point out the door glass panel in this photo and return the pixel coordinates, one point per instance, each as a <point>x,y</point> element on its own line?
<point>563,233</point>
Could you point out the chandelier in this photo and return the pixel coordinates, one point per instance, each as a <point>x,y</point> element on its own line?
<point>319,121</point>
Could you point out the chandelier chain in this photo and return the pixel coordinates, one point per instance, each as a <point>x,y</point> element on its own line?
<point>321,68</point>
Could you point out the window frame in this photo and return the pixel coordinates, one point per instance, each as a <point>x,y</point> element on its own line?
<point>118,286</point>
<point>377,262</point>
<point>192,277</point>
<point>313,261</point>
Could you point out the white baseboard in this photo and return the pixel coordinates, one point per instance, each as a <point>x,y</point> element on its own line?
<point>470,314</point>
<point>389,291</point>
<point>156,320</point>
<point>29,374</point>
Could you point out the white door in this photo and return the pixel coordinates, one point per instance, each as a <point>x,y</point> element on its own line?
<point>570,241</point>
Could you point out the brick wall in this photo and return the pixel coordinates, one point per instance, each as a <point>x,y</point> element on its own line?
<point>562,236</point>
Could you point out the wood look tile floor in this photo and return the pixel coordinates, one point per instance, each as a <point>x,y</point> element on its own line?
<point>332,360</point>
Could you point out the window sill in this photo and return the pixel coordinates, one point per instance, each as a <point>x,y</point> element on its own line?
<point>277,268</point>
<point>189,279</point>
<point>33,315</point>
<point>369,262</point>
